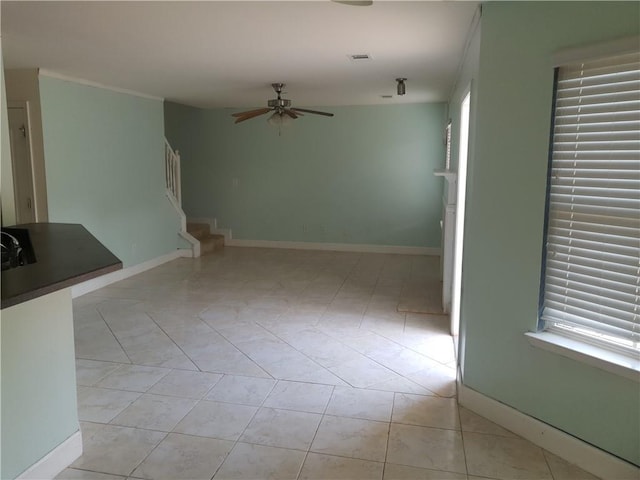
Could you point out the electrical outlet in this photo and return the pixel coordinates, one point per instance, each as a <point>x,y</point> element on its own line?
<point>235,182</point>
<point>305,228</point>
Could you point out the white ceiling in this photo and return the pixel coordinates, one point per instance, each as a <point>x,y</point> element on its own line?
<point>226,54</point>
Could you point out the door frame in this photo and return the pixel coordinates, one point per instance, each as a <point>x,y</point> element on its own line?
<point>26,106</point>
<point>461,194</point>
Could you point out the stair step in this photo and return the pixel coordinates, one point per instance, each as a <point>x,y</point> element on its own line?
<point>211,243</point>
<point>198,230</point>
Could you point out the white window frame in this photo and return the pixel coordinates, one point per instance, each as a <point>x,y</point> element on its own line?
<point>552,334</point>
<point>447,142</point>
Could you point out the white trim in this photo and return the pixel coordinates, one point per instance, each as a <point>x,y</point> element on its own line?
<point>586,456</point>
<point>195,244</point>
<point>56,460</point>
<point>594,51</point>
<point>105,280</point>
<point>90,83</point>
<point>185,252</point>
<point>28,111</point>
<point>335,247</point>
<point>612,362</point>
<point>174,203</point>
<point>225,232</point>
<point>473,26</point>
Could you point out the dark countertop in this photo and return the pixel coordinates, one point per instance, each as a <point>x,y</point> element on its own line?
<point>66,254</point>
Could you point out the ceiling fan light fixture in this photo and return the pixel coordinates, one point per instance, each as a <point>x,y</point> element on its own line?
<point>402,88</point>
<point>279,119</point>
<point>283,114</point>
<point>275,120</point>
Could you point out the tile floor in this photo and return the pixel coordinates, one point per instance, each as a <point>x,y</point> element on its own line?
<point>257,363</point>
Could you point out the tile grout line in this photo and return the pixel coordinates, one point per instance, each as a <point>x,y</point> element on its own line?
<point>93,385</point>
<point>309,358</point>
<point>243,353</point>
<point>315,434</point>
<point>386,452</point>
<point>150,315</point>
<point>237,440</point>
<point>132,428</point>
<point>212,386</point>
<point>464,448</point>
<point>114,335</point>
<point>553,477</point>
<point>384,366</point>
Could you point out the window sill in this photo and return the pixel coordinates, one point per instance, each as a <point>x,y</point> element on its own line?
<point>598,357</point>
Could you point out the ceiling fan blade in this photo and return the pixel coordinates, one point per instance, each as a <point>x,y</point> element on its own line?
<point>291,113</point>
<point>249,115</point>
<point>316,112</point>
<point>242,114</point>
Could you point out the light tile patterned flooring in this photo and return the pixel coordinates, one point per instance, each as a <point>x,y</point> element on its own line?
<point>256,363</point>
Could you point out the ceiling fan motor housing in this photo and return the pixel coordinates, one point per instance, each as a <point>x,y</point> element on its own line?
<point>279,103</point>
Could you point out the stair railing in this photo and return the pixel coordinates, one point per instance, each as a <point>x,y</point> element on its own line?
<point>172,171</point>
<point>174,194</point>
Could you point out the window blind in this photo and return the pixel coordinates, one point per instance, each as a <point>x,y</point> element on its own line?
<point>592,266</point>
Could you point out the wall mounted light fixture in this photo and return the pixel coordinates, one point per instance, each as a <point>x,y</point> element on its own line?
<point>355,3</point>
<point>402,88</point>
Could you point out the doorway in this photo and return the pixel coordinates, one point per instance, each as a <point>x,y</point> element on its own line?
<point>19,141</point>
<point>460,210</point>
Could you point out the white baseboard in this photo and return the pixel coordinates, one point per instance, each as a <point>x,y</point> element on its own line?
<point>586,456</point>
<point>100,282</point>
<point>56,460</point>
<point>334,247</point>
<point>226,232</point>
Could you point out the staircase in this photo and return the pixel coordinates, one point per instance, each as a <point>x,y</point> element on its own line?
<point>197,234</point>
<point>209,242</point>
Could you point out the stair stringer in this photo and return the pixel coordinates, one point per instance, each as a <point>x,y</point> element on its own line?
<point>195,243</point>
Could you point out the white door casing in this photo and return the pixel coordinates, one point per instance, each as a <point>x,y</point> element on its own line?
<point>19,141</point>
<point>463,152</point>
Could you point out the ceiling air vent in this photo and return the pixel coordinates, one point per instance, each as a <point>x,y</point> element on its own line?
<point>360,57</point>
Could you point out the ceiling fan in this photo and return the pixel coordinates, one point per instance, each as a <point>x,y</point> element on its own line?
<point>281,108</point>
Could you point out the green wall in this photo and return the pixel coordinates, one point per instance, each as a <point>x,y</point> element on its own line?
<point>504,225</point>
<point>38,378</point>
<point>104,155</point>
<point>364,176</point>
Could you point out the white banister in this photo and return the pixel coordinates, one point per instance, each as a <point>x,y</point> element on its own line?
<point>172,171</point>
<point>174,194</point>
